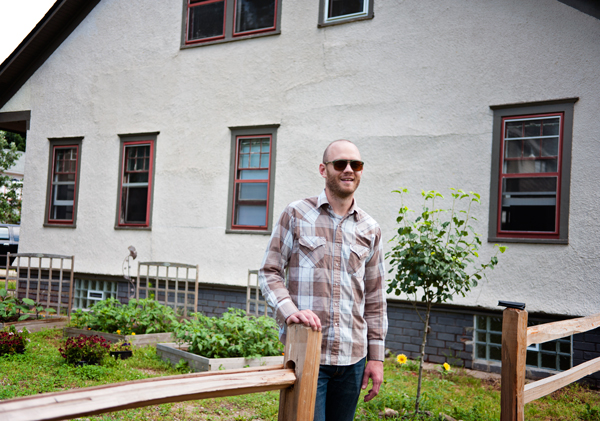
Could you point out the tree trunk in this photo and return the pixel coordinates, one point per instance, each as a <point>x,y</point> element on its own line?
<point>425,331</point>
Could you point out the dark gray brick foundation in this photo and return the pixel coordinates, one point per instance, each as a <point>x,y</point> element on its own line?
<point>449,339</point>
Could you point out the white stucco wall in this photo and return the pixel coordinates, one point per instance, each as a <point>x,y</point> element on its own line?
<point>412,87</point>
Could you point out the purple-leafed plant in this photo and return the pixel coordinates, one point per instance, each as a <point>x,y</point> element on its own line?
<point>91,349</point>
<point>13,341</point>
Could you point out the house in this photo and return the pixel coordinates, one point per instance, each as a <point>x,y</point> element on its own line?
<point>184,127</point>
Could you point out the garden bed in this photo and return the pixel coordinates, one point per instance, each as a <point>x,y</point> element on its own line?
<point>173,353</point>
<point>137,341</point>
<point>36,325</point>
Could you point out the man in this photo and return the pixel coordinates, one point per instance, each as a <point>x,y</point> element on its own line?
<point>333,253</point>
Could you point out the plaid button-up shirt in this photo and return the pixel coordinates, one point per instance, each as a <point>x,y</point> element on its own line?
<point>337,272</point>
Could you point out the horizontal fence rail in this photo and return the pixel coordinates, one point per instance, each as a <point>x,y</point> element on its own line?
<point>516,337</point>
<point>297,380</point>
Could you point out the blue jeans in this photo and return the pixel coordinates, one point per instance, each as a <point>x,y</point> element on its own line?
<point>338,389</point>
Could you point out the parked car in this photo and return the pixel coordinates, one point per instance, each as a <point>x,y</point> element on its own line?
<point>9,241</point>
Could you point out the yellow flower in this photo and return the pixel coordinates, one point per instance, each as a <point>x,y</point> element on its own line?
<point>89,328</point>
<point>118,332</point>
<point>133,333</point>
<point>446,366</point>
<point>401,358</point>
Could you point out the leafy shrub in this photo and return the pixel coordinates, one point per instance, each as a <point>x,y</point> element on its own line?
<point>138,316</point>
<point>91,349</point>
<point>12,341</point>
<point>232,335</point>
<point>14,308</point>
<point>120,346</point>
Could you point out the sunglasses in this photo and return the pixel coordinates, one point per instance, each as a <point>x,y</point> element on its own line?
<point>341,164</point>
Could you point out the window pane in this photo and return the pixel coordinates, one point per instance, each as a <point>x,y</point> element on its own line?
<point>244,159</point>
<point>551,127</point>
<point>251,215</point>
<point>254,175</point>
<point>4,235</point>
<point>245,145</point>
<point>345,7</point>
<point>514,129</point>
<point>564,362</point>
<point>495,338</point>
<point>495,353</point>
<point>480,351</point>
<point>481,322</point>
<point>253,15</point>
<point>533,128</point>
<point>252,191</point>
<point>65,192</point>
<point>134,203</point>
<point>264,160</point>
<point>206,20</point>
<point>529,204</point>
<point>549,361</point>
<point>16,233</point>
<point>496,324</point>
<point>64,177</point>
<point>514,149</point>
<point>531,148</point>
<point>550,147</point>
<point>137,177</point>
<point>481,336</point>
<point>255,160</point>
<point>255,146</point>
<point>265,145</point>
<point>532,358</point>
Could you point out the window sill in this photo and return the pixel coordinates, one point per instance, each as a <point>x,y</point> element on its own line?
<point>528,240</point>
<point>59,225</point>
<point>341,21</point>
<point>117,227</point>
<point>199,43</point>
<point>230,231</point>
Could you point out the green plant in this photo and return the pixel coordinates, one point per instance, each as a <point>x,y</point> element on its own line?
<point>435,257</point>
<point>14,308</point>
<point>138,316</point>
<point>10,195</point>
<point>590,414</point>
<point>91,349</point>
<point>121,345</point>
<point>183,366</point>
<point>232,335</point>
<point>13,341</point>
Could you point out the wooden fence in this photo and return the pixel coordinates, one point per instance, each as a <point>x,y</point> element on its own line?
<point>516,337</point>
<point>296,378</point>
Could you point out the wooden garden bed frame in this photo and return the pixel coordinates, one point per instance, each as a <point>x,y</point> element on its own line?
<point>516,337</point>
<point>296,378</point>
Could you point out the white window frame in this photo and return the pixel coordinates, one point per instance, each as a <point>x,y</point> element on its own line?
<point>324,20</point>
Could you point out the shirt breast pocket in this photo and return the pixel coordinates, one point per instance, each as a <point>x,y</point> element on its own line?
<point>356,261</point>
<point>311,251</point>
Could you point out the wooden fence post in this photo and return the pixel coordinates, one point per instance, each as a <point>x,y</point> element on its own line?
<point>514,353</point>
<point>303,354</point>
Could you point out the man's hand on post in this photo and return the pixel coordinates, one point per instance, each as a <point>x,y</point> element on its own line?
<point>373,370</point>
<point>305,317</point>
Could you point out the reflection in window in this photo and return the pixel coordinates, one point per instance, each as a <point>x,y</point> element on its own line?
<point>530,174</point>
<point>64,174</point>
<point>135,184</point>
<point>252,182</point>
<point>206,19</point>
<point>254,15</point>
<point>553,355</point>
<point>345,9</point>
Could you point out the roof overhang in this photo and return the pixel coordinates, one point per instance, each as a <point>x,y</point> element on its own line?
<point>62,18</point>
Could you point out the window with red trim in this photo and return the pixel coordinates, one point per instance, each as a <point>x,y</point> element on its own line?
<point>226,20</point>
<point>529,179</point>
<point>136,183</point>
<point>529,191</point>
<point>63,182</point>
<point>251,185</point>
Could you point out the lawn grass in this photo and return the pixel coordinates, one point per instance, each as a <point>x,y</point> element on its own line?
<point>41,369</point>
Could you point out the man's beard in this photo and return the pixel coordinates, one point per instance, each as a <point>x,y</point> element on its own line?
<point>333,185</point>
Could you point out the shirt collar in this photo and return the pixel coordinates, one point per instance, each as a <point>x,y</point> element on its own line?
<point>322,200</point>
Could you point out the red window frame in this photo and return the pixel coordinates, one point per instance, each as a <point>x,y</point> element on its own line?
<point>237,181</point>
<point>255,31</point>
<point>52,192</point>
<point>120,216</point>
<point>195,3</point>
<point>557,174</point>
<point>230,10</point>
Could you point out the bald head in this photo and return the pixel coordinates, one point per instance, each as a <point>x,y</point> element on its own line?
<point>327,153</point>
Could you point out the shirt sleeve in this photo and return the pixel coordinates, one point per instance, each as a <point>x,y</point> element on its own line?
<point>271,276</point>
<point>375,302</point>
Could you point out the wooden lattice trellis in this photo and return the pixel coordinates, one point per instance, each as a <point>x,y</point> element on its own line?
<point>171,284</point>
<point>46,279</point>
